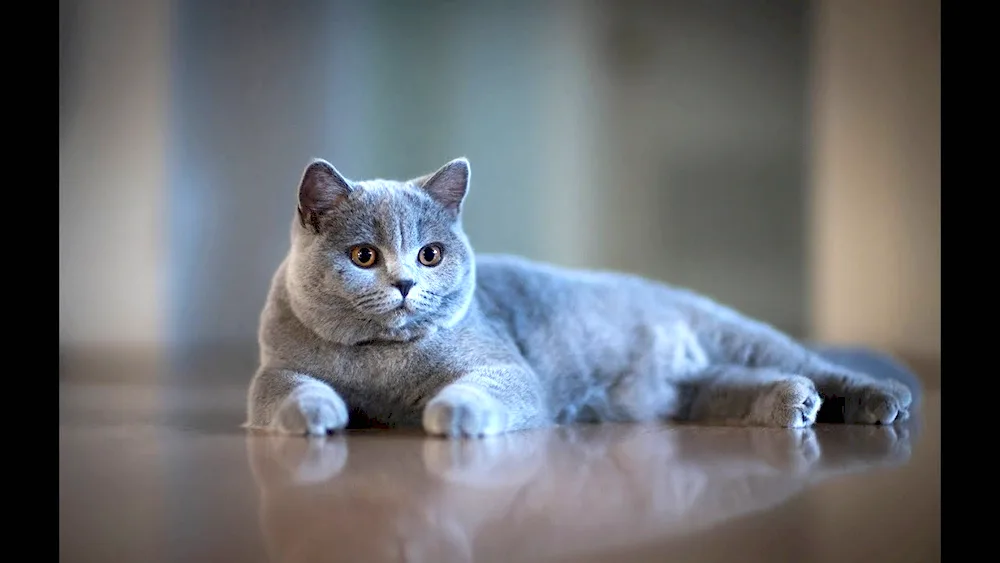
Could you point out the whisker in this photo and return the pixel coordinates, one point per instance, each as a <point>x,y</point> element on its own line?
<point>368,300</point>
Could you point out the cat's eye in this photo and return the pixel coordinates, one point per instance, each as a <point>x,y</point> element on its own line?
<point>430,255</point>
<point>364,256</point>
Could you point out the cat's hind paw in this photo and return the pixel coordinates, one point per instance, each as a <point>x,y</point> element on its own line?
<point>878,402</point>
<point>464,411</point>
<point>312,410</point>
<point>790,403</point>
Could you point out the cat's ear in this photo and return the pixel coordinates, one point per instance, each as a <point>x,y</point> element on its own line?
<point>448,185</point>
<point>322,188</point>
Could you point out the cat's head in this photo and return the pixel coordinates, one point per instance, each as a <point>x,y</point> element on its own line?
<point>380,259</point>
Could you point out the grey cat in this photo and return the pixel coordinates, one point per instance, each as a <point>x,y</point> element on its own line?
<point>382,313</point>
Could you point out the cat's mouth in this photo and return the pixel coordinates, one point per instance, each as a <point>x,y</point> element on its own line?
<point>402,311</point>
<point>406,306</point>
<point>398,316</point>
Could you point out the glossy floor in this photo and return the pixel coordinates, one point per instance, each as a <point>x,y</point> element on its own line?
<point>165,474</point>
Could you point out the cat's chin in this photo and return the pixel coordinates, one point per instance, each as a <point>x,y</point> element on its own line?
<point>407,332</point>
<point>397,319</point>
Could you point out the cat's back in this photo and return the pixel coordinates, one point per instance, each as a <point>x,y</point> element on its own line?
<point>529,296</point>
<point>520,281</point>
<point>576,326</point>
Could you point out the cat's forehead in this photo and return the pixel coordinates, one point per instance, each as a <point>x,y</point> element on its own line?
<point>387,197</point>
<point>381,209</point>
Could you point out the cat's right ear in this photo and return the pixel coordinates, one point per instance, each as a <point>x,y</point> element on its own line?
<point>322,188</point>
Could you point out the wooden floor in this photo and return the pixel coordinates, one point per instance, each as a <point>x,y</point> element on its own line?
<point>151,473</point>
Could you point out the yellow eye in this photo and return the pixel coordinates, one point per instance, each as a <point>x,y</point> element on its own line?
<point>430,255</point>
<point>363,256</point>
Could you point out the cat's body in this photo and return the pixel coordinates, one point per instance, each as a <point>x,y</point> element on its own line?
<point>382,311</point>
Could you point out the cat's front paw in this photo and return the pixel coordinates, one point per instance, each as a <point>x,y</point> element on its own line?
<point>313,410</point>
<point>789,403</point>
<point>878,402</point>
<point>903,395</point>
<point>462,410</point>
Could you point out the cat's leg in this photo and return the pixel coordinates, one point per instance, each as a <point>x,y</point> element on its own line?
<point>739,395</point>
<point>486,401</point>
<point>860,398</point>
<point>289,402</point>
<point>663,356</point>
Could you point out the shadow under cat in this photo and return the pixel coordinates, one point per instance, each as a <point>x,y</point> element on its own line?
<point>541,495</point>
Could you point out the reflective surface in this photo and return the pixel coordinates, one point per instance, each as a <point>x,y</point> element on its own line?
<point>166,474</point>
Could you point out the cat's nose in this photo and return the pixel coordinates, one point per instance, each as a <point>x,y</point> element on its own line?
<point>404,286</point>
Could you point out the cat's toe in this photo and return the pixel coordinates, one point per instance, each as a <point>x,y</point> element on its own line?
<point>792,403</point>
<point>311,412</point>
<point>460,412</point>
<point>902,394</point>
<point>448,419</point>
<point>872,405</point>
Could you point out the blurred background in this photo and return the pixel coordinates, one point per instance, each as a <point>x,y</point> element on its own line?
<point>781,156</point>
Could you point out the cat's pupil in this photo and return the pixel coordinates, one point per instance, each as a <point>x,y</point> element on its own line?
<point>429,254</point>
<point>364,255</point>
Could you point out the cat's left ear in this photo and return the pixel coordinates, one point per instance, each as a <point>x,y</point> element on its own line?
<point>321,189</point>
<point>448,185</point>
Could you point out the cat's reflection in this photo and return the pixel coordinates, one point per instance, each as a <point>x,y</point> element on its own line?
<point>535,495</point>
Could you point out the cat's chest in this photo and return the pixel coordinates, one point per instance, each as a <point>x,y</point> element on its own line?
<point>383,369</point>
<point>370,360</point>
<point>388,383</point>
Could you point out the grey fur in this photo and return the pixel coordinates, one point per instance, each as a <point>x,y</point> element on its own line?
<point>491,344</point>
